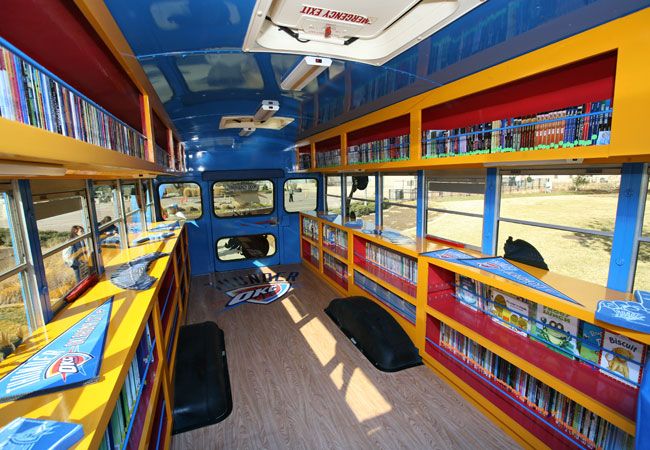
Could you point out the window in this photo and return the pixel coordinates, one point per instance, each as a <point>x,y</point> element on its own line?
<point>180,201</point>
<point>455,208</point>
<point>400,203</point>
<point>242,198</point>
<point>300,194</point>
<point>64,228</point>
<point>642,273</point>
<point>149,213</point>
<point>109,219</point>
<point>333,195</point>
<point>360,198</point>
<point>132,202</point>
<point>236,248</point>
<point>568,216</point>
<point>17,317</point>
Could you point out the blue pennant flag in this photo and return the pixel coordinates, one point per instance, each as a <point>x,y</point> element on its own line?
<point>167,226</point>
<point>623,313</point>
<point>71,359</point>
<point>23,433</point>
<point>505,269</point>
<point>448,254</point>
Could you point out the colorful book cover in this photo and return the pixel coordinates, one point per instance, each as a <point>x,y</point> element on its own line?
<point>23,433</point>
<point>623,356</point>
<point>591,339</point>
<point>557,328</point>
<point>511,311</point>
<point>468,292</point>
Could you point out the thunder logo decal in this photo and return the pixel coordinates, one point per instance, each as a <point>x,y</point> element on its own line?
<point>67,364</point>
<point>262,294</point>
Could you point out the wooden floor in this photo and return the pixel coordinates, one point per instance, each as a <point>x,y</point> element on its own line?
<point>299,383</point>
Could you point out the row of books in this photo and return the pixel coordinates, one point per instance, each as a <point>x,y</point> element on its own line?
<point>30,96</point>
<point>335,240</point>
<point>574,419</point>
<point>115,436</point>
<point>340,270</point>
<point>394,302</point>
<point>310,228</point>
<point>314,253</point>
<point>304,161</point>
<point>613,354</point>
<point>328,158</point>
<point>383,150</point>
<point>394,262</point>
<point>582,125</point>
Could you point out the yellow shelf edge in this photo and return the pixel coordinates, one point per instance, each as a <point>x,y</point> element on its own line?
<point>310,240</point>
<point>335,255</point>
<point>588,402</point>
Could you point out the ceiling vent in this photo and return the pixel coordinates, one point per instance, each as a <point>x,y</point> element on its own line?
<point>367,31</point>
<point>274,123</point>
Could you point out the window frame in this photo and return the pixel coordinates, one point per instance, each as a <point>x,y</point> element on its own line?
<point>431,177</point>
<point>284,204</point>
<point>216,247</point>
<point>156,196</point>
<point>272,212</point>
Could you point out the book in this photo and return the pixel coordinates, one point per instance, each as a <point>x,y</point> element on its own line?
<point>622,358</point>
<point>591,340</point>
<point>557,330</point>
<point>511,311</point>
<point>24,433</point>
<point>469,292</point>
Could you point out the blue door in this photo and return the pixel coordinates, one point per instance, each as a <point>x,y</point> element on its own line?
<point>245,218</point>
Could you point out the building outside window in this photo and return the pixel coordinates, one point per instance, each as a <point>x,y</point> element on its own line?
<point>243,198</point>
<point>180,201</point>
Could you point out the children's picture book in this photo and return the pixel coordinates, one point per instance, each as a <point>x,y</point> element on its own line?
<point>622,356</point>
<point>468,292</point>
<point>511,311</point>
<point>557,330</point>
<point>591,339</point>
<point>23,433</point>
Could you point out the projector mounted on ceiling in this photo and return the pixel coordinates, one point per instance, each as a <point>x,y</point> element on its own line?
<point>364,30</point>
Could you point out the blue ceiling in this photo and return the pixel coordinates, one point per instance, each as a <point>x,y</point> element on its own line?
<point>191,50</point>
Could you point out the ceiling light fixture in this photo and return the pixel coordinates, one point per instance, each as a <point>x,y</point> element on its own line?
<point>304,72</point>
<point>247,131</point>
<point>267,109</point>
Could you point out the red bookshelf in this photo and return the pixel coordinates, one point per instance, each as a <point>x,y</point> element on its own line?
<point>328,152</point>
<point>335,270</point>
<point>303,157</point>
<point>381,142</point>
<point>308,253</point>
<point>397,280</point>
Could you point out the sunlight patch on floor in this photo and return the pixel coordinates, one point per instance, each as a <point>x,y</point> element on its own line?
<point>292,310</point>
<point>337,376</point>
<point>363,398</point>
<point>321,341</point>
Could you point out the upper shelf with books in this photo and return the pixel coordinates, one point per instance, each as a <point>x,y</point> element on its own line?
<point>577,100</point>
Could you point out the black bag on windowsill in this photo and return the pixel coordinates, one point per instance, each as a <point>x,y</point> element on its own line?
<point>523,252</point>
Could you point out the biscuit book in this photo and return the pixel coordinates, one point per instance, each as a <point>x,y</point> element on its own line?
<point>622,356</point>
<point>557,330</point>
<point>468,292</point>
<point>511,311</point>
<point>591,339</point>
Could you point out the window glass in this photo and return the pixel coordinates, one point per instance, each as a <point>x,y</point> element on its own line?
<point>571,200</point>
<point>246,247</point>
<point>147,190</point>
<point>13,313</point>
<point>360,198</point>
<point>242,198</point>
<point>575,254</point>
<point>642,276</point>
<point>109,220</point>
<point>11,253</point>
<point>645,231</point>
<point>450,201</point>
<point>180,201</point>
<point>333,195</point>
<point>217,72</point>
<point>64,233</point>
<point>131,197</point>
<point>300,194</point>
<point>400,203</point>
